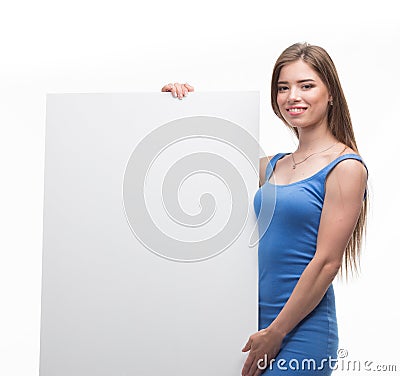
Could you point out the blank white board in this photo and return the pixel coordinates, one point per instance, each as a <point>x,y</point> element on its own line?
<point>149,267</point>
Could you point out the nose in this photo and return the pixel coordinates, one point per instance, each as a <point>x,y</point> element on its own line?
<point>294,95</point>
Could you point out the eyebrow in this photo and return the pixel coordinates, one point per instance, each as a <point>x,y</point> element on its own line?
<point>299,82</point>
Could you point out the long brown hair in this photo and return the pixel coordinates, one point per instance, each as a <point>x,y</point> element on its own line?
<point>339,123</point>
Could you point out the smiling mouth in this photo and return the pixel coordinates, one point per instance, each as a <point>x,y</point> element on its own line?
<point>296,110</point>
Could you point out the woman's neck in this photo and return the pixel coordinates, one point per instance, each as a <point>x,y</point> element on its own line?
<point>314,140</point>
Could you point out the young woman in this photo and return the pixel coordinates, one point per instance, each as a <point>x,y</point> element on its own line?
<point>318,222</point>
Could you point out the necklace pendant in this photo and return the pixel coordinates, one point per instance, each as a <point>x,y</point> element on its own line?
<point>294,166</point>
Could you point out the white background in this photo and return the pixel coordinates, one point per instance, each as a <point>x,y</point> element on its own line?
<point>122,46</point>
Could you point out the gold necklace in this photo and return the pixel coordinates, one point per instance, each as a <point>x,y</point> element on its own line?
<point>297,163</point>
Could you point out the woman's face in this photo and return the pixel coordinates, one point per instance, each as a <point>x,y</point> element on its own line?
<point>303,98</point>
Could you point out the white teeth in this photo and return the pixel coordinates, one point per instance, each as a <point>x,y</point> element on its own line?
<point>296,109</point>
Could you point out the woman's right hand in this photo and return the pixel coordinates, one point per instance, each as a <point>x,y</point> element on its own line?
<point>178,90</point>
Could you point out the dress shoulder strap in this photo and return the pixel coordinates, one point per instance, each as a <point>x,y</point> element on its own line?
<point>331,165</point>
<point>271,164</point>
<point>343,157</point>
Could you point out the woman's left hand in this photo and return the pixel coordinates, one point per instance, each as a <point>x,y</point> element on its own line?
<point>264,346</point>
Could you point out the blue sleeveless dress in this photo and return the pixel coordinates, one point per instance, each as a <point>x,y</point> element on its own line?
<point>284,250</point>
